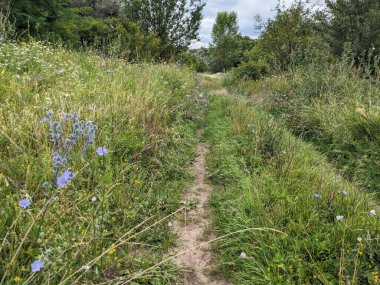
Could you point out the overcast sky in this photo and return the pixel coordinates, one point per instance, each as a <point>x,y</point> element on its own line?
<point>246,10</point>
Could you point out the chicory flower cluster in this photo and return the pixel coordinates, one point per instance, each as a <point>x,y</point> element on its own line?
<point>71,137</point>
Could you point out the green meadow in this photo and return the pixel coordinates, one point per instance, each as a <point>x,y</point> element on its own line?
<point>135,149</point>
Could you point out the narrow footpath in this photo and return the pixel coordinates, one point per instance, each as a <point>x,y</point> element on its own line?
<point>196,262</point>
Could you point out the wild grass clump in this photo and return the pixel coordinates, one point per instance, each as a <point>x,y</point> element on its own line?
<point>336,107</point>
<point>89,165</point>
<point>330,230</point>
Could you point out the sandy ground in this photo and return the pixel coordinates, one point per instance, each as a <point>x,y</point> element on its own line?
<point>197,263</point>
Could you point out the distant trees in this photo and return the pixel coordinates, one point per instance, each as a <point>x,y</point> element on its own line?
<point>175,22</point>
<point>299,35</point>
<point>107,8</point>
<point>225,41</point>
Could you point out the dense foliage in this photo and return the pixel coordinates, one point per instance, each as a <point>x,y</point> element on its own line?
<point>174,22</point>
<point>355,23</point>
<point>300,34</point>
<point>135,30</point>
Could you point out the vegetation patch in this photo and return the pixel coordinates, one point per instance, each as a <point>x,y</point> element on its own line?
<point>266,178</point>
<point>333,107</point>
<point>90,166</point>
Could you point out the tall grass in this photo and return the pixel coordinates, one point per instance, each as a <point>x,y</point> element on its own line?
<point>104,225</point>
<point>333,106</point>
<point>265,177</point>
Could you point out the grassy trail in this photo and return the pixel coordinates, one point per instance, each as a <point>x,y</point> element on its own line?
<point>264,177</point>
<point>93,205</point>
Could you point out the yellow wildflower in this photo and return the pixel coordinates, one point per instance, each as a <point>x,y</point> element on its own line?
<point>17,279</point>
<point>113,250</point>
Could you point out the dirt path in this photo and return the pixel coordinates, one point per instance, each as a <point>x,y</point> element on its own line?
<point>197,263</point>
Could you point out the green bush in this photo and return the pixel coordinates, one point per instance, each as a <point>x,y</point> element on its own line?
<point>251,70</point>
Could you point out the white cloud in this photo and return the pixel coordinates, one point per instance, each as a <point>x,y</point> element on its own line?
<point>246,10</point>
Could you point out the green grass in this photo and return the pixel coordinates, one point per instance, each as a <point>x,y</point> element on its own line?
<point>266,178</point>
<point>144,114</point>
<point>333,107</point>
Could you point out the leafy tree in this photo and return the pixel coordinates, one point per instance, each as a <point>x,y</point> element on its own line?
<point>286,39</point>
<point>34,16</point>
<point>356,23</point>
<point>175,22</point>
<point>225,41</point>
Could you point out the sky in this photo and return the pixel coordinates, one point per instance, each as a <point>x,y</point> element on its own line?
<point>246,11</point>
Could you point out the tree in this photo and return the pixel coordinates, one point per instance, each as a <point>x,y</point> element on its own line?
<point>175,22</point>
<point>356,23</point>
<point>34,16</point>
<point>225,41</point>
<point>285,40</point>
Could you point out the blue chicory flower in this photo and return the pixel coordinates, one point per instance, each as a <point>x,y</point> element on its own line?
<point>37,265</point>
<point>65,179</point>
<point>24,203</point>
<point>317,196</point>
<point>101,151</point>
<point>44,119</point>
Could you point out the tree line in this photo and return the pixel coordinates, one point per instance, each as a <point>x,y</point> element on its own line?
<point>162,30</point>
<point>149,30</point>
<point>298,35</point>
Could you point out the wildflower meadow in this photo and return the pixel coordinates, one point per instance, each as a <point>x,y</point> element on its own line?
<point>89,168</point>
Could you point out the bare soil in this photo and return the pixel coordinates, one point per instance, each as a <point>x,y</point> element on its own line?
<point>196,263</point>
